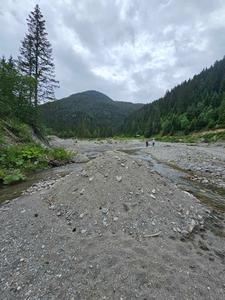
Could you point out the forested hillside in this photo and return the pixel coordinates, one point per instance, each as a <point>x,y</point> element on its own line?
<point>196,104</point>
<point>86,114</point>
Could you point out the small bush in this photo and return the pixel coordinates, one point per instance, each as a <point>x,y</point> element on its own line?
<point>15,176</point>
<point>60,154</point>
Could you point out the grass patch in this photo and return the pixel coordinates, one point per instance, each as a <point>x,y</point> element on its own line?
<point>18,161</point>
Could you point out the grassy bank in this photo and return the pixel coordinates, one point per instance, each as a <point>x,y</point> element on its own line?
<point>17,162</point>
<point>20,154</point>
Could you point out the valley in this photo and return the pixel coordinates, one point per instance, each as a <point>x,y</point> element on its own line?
<point>122,222</point>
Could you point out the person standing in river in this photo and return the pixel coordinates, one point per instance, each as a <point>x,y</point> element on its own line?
<point>146,143</point>
<point>153,142</point>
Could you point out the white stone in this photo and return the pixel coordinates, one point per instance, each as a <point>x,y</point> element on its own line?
<point>119,178</point>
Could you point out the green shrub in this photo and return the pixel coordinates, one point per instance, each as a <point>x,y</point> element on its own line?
<point>60,154</point>
<point>21,130</point>
<point>15,176</point>
<point>17,161</point>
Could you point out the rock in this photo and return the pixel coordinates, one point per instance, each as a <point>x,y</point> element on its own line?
<point>191,226</point>
<point>122,165</point>
<point>91,179</point>
<point>115,219</point>
<point>59,214</point>
<point>119,178</point>
<point>83,231</point>
<point>105,210</point>
<point>82,191</point>
<point>36,215</point>
<point>84,173</point>
<point>152,196</point>
<point>52,207</point>
<point>81,158</point>
<point>203,246</point>
<point>204,181</point>
<point>81,216</point>
<point>125,206</point>
<point>153,191</point>
<point>105,222</point>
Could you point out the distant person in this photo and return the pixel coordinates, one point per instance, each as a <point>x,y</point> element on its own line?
<point>153,142</point>
<point>146,143</point>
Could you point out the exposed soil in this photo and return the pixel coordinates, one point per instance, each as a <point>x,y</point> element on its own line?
<point>113,228</point>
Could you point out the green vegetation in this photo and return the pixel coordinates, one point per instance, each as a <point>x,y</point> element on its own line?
<point>23,83</point>
<point>205,137</point>
<point>194,105</point>
<point>36,61</point>
<point>14,93</point>
<point>18,161</point>
<point>86,115</point>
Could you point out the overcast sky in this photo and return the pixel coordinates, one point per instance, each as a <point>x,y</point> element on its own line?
<point>131,50</point>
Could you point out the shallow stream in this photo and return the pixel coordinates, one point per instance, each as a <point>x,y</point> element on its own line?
<point>209,195</point>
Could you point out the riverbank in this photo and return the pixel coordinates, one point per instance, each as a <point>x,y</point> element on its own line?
<point>113,228</point>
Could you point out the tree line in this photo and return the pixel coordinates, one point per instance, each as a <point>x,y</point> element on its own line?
<point>29,79</point>
<point>194,105</point>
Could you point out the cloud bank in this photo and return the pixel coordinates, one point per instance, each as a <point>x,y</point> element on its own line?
<point>131,50</point>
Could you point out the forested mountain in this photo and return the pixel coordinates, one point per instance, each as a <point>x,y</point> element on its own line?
<point>86,114</point>
<point>196,104</point>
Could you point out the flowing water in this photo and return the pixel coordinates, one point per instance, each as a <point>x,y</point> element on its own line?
<point>15,190</point>
<point>209,195</point>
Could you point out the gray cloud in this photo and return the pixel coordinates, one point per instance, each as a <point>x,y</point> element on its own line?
<point>129,49</point>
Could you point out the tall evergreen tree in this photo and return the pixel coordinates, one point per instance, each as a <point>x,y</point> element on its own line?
<point>36,58</point>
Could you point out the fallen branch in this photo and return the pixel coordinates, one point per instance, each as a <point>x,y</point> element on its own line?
<point>152,235</point>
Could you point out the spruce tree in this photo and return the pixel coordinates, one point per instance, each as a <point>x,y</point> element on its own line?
<point>36,59</point>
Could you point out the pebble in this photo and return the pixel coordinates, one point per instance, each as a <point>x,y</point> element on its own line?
<point>84,173</point>
<point>52,207</point>
<point>191,226</point>
<point>82,191</point>
<point>105,210</point>
<point>119,178</point>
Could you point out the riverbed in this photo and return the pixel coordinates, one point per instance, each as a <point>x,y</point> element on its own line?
<point>123,222</point>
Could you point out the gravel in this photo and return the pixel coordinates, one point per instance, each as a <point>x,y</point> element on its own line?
<point>140,237</point>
